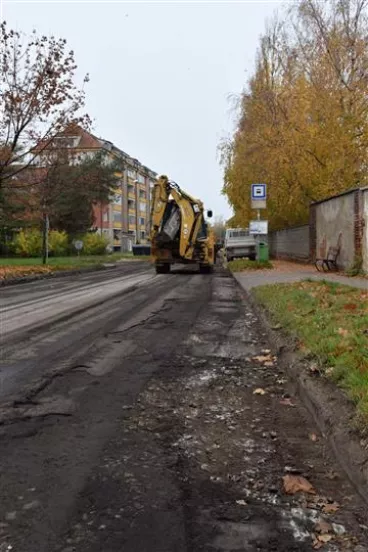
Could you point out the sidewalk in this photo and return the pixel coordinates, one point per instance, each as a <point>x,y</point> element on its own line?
<point>287,272</point>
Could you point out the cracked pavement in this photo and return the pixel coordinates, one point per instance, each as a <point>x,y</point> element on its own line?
<point>152,415</point>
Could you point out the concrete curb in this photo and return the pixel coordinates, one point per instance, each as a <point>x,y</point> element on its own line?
<point>332,411</point>
<point>57,274</point>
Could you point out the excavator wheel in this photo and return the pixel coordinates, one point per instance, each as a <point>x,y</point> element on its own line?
<point>163,268</point>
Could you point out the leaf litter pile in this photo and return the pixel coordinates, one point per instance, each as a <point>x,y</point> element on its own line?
<point>330,322</point>
<point>12,272</point>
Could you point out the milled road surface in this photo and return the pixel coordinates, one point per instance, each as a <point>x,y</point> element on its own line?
<point>144,413</point>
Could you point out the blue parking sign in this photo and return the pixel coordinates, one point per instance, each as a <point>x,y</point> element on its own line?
<point>259,191</point>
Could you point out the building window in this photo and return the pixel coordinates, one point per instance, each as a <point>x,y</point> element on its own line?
<point>106,217</point>
<point>142,207</point>
<point>131,173</point>
<point>67,141</point>
<point>143,235</point>
<point>142,194</point>
<point>117,216</point>
<point>116,199</point>
<point>131,204</point>
<point>141,178</point>
<point>131,219</point>
<point>142,221</point>
<point>130,189</point>
<point>131,232</point>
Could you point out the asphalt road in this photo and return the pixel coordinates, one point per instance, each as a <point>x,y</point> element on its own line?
<point>145,413</point>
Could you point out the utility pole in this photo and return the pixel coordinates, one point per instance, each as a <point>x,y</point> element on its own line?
<point>45,239</point>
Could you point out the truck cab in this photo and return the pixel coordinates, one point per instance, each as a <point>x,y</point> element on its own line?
<point>239,243</point>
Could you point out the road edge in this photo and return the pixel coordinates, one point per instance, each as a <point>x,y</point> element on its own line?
<point>330,408</point>
<point>49,275</point>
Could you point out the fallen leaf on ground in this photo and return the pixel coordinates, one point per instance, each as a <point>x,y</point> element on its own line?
<point>287,402</point>
<point>350,306</point>
<point>314,368</point>
<point>297,484</point>
<point>330,508</point>
<point>313,437</point>
<point>343,332</point>
<point>323,527</point>
<point>241,502</point>
<point>259,391</point>
<point>263,358</point>
<point>320,541</point>
<point>324,538</point>
<point>269,363</point>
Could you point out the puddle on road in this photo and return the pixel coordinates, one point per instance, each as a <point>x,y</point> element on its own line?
<point>208,345</point>
<point>242,536</point>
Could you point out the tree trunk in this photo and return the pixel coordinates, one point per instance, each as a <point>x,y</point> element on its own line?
<point>45,239</point>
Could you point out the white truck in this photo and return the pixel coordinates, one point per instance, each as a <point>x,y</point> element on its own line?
<point>239,243</point>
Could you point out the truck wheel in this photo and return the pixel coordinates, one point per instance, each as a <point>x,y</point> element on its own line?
<point>163,269</point>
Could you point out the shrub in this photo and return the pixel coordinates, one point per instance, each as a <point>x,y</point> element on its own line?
<point>356,269</point>
<point>94,244</point>
<point>58,243</point>
<point>28,243</point>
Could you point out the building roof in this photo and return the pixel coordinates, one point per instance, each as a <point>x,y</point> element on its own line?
<point>88,141</point>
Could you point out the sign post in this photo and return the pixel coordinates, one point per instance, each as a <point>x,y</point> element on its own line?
<point>78,244</point>
<point>258,227</point>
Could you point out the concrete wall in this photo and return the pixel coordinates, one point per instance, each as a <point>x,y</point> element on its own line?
<point>335,218</point>
<point>365,230</point>
<point>291,243</point>
<point>341,220</point>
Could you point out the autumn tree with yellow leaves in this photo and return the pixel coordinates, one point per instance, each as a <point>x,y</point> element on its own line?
<point>303,123</point>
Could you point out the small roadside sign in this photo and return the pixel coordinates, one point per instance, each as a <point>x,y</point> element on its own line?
<point>259,191</point>
<point>258,196</point>
<point>78,244</point>
<point>258,227</point>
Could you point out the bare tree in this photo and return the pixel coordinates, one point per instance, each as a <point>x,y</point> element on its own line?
<point>38,97</point>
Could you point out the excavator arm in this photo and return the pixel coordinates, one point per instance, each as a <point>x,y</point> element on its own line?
<point>186,213</point>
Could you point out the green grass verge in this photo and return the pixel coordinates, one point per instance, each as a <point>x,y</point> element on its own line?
<point>330,321</point>
<point>244,264</point>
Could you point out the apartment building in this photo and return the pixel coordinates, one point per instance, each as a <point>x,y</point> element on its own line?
<point>127,218</point>
<point>125,221</point>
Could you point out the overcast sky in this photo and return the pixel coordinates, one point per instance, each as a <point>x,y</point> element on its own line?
<point>161,76</point>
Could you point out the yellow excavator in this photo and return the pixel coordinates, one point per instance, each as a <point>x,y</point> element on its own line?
<point>179,232</point>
